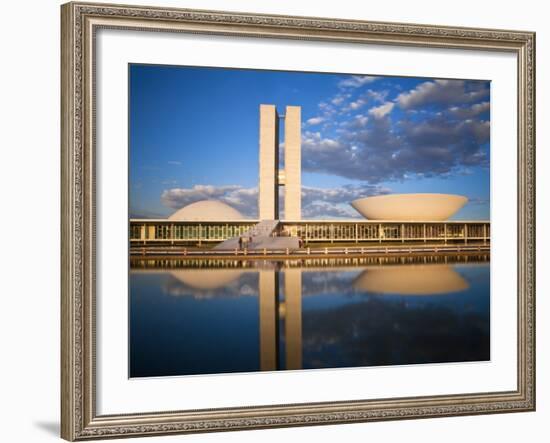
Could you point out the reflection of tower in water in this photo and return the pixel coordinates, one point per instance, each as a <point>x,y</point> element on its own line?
<point>270,315</point>
<point>280,301</point>
<point>200,283</point>
<point>268,288</point>
<point>416,280</point>
<point>293,318</point>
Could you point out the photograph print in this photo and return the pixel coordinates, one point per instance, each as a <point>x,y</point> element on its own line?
<point>286,220</point>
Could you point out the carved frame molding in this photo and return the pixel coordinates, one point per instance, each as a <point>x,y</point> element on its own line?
<point>80,21</point>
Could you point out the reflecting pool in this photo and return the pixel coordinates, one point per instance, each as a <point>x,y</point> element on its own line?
<point>220,316</point>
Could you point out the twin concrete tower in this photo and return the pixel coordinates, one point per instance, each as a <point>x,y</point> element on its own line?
<point>271,175</point>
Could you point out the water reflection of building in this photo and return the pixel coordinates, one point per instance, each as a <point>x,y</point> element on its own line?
<point>293,318</point>
<point>281,290</point>
<point>270,318</point>
<point>411,280</point>
<point>172,263</point>
<point>268,289</point>
<point>207,278</point>
<point>209,283</point>
<point>400,279</point>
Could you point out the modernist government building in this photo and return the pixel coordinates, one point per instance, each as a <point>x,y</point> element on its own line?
<point>393,218</point>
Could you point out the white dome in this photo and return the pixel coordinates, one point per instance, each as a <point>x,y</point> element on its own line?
<point>409,207</point>
<point>207,210</point>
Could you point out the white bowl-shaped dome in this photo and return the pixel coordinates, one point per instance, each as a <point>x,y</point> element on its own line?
<point>207,210</point>
<point>409,207</point>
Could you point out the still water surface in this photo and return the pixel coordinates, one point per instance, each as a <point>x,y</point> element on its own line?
<point>242,316</point>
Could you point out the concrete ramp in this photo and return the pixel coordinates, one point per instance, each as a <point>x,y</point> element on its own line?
<point>275,243</point>
<point>264,229</point>
<point>262,238</point>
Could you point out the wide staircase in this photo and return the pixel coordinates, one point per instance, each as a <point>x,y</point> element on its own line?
<point>261,236</point>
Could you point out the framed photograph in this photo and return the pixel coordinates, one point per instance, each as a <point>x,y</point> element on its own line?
<point>283,221</point>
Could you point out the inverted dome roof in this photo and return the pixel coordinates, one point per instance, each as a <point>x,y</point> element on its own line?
<point>410,207</point>
<point>207,210</point>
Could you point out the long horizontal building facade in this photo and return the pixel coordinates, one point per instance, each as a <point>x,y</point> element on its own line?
<point>195,233</point>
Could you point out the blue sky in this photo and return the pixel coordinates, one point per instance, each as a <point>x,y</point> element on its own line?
<point>194,136</point>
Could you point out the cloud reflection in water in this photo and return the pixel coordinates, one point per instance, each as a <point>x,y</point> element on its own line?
<point>347,316</point>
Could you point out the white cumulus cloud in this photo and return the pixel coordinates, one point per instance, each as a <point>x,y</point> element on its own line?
<point>382,110</point>
<point>316,202</point>
<point>440,92</point>
<point>315,121</point>
<point>356,81</point>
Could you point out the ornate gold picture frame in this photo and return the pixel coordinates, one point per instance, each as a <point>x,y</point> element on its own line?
<point>80,22</point>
